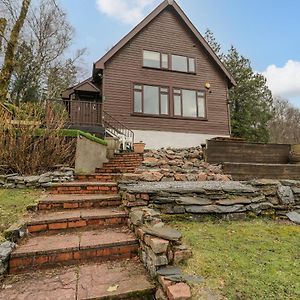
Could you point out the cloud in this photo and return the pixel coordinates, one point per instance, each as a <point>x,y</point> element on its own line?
<point>284,81</point>
<point>126,11</point>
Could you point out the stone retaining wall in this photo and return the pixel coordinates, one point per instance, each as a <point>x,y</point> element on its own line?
<point>214,197</point>
<point>12,181</point>
<point>160,249</point>
<point>169,165</point>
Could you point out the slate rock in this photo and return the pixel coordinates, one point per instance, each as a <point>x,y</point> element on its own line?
<point>285,195</point>
<point>193,201</point>
<point>169,270</point>
<point>294,217</point>
<point>5,250</point>
<point>218,209</point>
<point>164,232</point>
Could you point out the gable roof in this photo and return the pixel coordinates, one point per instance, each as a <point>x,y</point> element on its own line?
<point>101,62</point>
<point>85,85</point>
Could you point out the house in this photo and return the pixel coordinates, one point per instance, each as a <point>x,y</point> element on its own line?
<point>161,82</point>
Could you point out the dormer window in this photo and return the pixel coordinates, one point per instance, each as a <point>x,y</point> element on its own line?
<point>156,60</point>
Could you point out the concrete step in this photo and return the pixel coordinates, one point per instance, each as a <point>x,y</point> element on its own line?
<point>48,251</point>
<point>77,218</point>
<point>104,177</point>
<point>82,282</point>
<point>84,187</point>
<point>72,201</point>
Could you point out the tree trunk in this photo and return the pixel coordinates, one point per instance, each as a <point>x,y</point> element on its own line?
<point>7,68</point>
<point>3,23</point>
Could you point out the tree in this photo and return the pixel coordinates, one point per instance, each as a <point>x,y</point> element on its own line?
<point>7,68</point>
<point>284,127</point>
<point>251,100</point>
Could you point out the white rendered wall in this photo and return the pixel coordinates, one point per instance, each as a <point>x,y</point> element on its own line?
<point>164,139</point>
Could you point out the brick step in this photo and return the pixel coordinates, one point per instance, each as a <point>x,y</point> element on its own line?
<point>120,165</point>
<point>84,187</point>
<point>116,170</point>
<point>128,159</point>
<point>46,251</point>
<point>82,282</point>
<point>129,154</point>
<point>104,177</point>
<point>77,218</point>
<point>71,201</point>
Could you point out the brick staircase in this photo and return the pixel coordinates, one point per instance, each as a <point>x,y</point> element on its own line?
<point>80,230</point>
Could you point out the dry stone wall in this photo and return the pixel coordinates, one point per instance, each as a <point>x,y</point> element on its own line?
<point>213,197</point>
<point>169,165</point>
<point>12,181</point>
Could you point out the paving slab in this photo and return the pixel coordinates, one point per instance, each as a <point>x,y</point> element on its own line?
<point>103,238</point>
<point>76,214</point>
<point>125,279</point>
<point>57,284</point>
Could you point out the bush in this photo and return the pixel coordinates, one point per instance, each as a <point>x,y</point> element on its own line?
<point>23,152</point>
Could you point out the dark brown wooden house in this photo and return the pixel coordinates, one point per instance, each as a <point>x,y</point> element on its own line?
<point>162,82</point>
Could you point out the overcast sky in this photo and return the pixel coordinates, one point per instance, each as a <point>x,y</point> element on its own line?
<point>265,31</point>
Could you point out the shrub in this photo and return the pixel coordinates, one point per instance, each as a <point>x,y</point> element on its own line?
<point>24,152</point>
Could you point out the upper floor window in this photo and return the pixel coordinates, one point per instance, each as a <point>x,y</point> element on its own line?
<point>155,60</point>
<point>183,64</point>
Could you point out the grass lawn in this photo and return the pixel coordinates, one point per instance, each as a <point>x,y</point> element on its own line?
<point>253,259</point>
<point>13,205</point>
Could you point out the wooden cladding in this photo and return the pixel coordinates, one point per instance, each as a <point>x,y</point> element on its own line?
<point>241,152</point>
<point>125,69</point>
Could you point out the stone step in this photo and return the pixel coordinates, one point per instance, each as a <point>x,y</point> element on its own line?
<point>137,155</point>
<point>115,170</point>
<point>128,159</point>
<point>47,251</point>
<point>84,187</point>
<point>82,282</point>
<point>77,218</point>
<point>104,177</point>
<point>72,201</point>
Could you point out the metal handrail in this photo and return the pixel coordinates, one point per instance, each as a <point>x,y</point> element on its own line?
<point>117,129</point>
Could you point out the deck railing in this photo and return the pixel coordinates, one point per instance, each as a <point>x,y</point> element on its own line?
<point>117,129</point>
<point>87,113</point>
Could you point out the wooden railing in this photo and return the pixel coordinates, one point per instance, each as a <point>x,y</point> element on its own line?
<point>85,113</point>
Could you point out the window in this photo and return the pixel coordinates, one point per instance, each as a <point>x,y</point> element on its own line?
<point>151,100</point>
<point>189,103</point>
<point>155,60</point>
<point>183,64</point>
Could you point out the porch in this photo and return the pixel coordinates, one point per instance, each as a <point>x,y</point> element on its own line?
<point>89,116</point>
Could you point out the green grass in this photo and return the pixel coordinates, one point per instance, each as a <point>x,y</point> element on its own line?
<point>255,259</point>
<point>74,133</point>
<point>13,205</point>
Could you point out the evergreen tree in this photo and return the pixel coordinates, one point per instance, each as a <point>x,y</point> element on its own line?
<point>250,100</point>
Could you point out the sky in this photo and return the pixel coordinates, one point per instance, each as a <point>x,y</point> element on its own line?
<point>265,31</point>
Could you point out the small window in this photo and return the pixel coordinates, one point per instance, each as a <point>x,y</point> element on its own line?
<point>179,63</point>
<point>152,59</point>
<point>192,66</point>
<point>165,61</point>
<point>177,105</point>
<point>201,106</point>
<point>189,104</point>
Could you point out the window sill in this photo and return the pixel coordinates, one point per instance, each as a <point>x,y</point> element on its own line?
<point>168,117</point>
<point>171,71</point>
